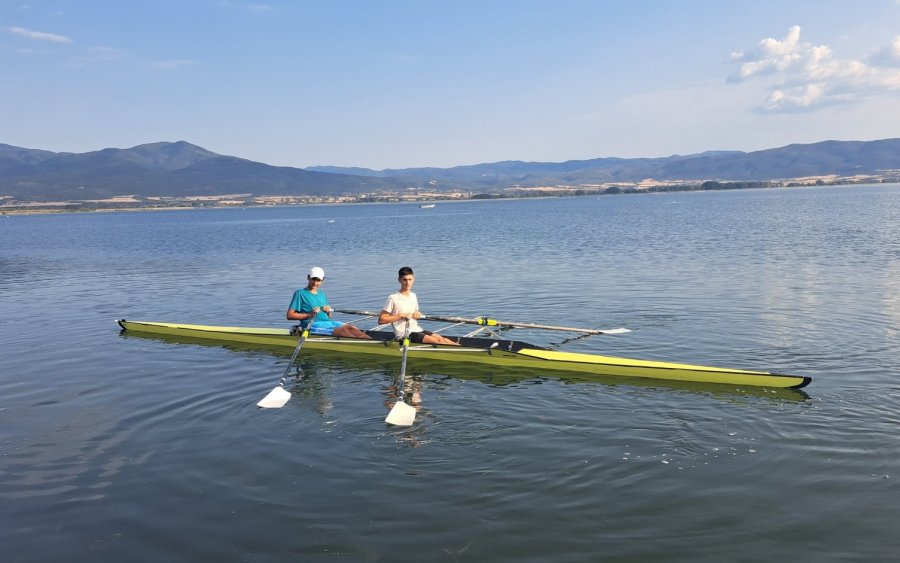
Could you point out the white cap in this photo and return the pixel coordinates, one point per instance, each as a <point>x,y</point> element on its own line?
<point>317,272</point>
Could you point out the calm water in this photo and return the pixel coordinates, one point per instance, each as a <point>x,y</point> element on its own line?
<point>118,448</point>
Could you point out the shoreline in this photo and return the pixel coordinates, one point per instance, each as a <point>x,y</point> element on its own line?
<point>531,193</point>
<point>59,210</point>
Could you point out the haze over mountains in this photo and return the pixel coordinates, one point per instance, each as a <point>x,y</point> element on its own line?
<point>178,169</point>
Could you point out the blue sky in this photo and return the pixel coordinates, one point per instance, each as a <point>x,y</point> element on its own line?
<point>394,84</point>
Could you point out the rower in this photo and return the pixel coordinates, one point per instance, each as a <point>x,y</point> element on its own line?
<point>404,306</point>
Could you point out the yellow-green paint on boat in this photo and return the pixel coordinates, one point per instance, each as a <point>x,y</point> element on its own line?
<point>492,352</point>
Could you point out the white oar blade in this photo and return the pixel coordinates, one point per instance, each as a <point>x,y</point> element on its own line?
<point>401,415</point>
<point>615,330</point>
<point>275,399</point>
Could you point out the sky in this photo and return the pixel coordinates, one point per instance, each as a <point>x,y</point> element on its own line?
<point>397,84</point>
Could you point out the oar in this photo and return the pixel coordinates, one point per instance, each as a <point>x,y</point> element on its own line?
<point>278,396</point>
<point>402,414</point>
<point>486,321</point>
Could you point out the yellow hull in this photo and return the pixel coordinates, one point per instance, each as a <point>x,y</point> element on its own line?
<point>501,353</point>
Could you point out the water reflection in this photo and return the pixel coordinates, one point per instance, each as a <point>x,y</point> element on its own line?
<point>310,385</point>
<point>491,375</point>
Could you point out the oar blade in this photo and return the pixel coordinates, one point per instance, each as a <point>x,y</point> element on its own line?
<point>275,399</point>
<point>401,415</point>
<point>615,330</point>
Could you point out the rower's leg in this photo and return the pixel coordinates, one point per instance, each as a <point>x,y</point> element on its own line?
<point>350,331</point>
<point>438,339</point>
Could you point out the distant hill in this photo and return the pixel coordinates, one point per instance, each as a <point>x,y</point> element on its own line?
<point>181,169</point>
<point>162,169</point>
<point>842,158</point>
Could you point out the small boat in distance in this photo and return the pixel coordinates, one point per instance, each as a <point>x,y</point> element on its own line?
<point>426,206</point>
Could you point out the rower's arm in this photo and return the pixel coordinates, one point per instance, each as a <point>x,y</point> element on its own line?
<point>384,317</point>
<point>293,315</point>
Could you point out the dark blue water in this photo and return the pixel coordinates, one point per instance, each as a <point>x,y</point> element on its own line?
<point>117,448</point>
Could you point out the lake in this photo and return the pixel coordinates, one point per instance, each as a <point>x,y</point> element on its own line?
<point>119,448</point>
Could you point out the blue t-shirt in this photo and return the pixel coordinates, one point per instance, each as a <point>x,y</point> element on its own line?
<point>304,301</point>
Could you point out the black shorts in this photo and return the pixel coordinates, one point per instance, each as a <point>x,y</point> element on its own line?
<point>418,337</point>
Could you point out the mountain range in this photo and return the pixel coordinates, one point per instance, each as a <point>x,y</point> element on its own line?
<point>178,169</point>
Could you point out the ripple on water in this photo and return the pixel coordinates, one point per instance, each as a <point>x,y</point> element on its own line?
<point>115,445</point>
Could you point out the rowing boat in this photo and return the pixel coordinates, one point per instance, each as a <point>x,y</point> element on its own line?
<point>494,351</point>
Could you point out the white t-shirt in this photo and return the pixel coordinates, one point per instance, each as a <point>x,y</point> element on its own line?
<point>399,304</point>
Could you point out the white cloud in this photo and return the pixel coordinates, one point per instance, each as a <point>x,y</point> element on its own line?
<point>889,55</point>
<point>39,35</point>
<point>801,97</point>
<point>803,77</point>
